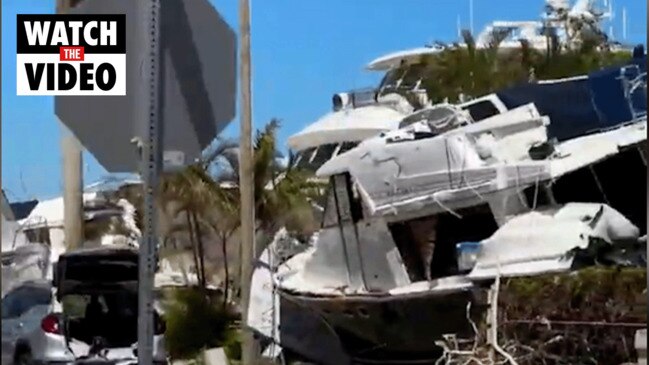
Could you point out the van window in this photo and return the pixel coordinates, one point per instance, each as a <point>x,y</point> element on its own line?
<point>482,110</point>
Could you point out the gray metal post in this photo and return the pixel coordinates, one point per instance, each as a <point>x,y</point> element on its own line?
<point>149,112</point>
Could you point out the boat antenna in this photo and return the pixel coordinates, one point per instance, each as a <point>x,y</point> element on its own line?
<point>471,15</point>
<point>611,16</point>
<point>610,9</point>
<point>624,23</point>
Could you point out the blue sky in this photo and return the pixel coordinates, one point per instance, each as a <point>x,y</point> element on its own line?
<point>302,51</point>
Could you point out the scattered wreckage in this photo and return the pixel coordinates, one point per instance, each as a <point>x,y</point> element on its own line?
<point>419,221</point>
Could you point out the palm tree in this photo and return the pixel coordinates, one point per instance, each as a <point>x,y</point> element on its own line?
<point>479,71</point>
<point>468,69</point>
<point>224,225</point>
<point>282,195</point>
<point>206,194</point>
<point>188,195</point>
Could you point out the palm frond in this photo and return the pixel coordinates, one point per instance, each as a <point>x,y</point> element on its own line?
<point>469,40</point>
<point>497,36</point>
<point>292,160</point>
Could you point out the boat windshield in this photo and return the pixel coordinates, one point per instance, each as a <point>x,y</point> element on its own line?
<point>439,119</point>
<point>391,78</point>
<point>402,78</point>
<point>313,158</point>
<point>411,78</point>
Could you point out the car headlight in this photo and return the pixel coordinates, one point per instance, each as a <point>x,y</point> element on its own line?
<point>467,255</point>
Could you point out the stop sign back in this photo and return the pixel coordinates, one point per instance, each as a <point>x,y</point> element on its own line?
<point>198,92</point>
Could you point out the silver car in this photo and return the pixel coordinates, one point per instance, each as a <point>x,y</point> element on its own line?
<point>87,313</point>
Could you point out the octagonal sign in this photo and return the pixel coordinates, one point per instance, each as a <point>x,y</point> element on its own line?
<point>199,91</point>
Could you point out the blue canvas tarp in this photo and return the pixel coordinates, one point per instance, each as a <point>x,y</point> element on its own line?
<point>584,105</point>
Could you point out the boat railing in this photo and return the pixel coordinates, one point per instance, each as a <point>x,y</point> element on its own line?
<point>638,82</point>
<point>401,88</point>
<point>635,89</point>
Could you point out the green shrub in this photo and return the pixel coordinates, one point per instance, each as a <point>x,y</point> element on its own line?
<point>582,310</point>
<point>195,322</point>
<point>232,345</point>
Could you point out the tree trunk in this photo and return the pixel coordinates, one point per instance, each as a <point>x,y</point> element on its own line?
<point>226,289</point>
<point>192,241</point>
<point>201,252</point>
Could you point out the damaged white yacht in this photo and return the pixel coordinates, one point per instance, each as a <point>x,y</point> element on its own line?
<point>364,113</point>
<point>361,114</point>
<point>420,220</point>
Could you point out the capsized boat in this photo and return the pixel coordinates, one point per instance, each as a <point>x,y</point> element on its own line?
<point>420,220</point>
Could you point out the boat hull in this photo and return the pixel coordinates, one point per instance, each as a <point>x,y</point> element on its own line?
<point>393,328</point>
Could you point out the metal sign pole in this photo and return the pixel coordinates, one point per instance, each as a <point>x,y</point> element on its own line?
<point>188,42</point>
<point>148,109</point>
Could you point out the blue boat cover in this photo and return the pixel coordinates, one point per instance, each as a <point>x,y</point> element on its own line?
<point>579,106</point>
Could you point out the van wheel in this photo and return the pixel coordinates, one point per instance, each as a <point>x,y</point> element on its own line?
<point>24,357</point>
